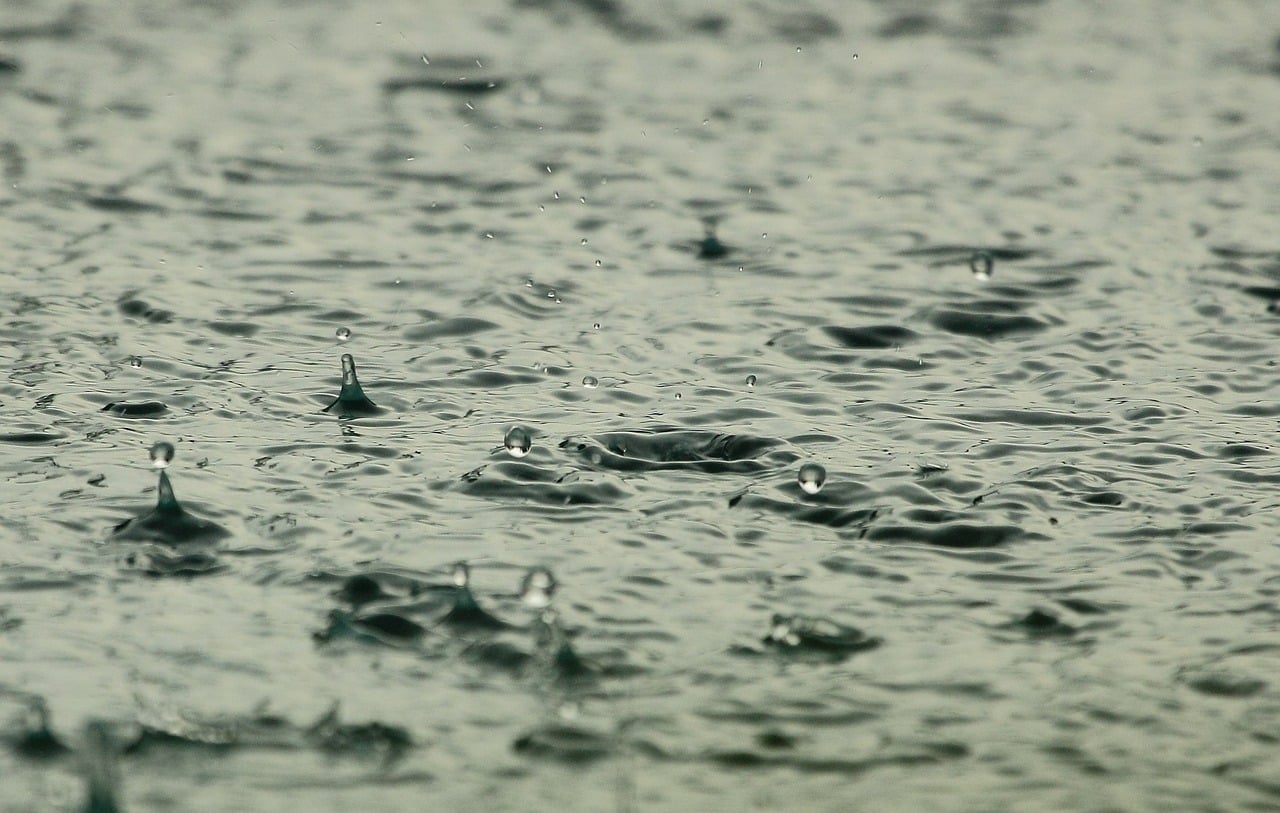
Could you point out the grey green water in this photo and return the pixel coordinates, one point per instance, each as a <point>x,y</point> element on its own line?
<point>1006,271</point>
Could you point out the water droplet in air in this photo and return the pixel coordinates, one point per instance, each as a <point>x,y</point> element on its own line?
<point>584,241</point>
<point>343,333</point>
<point>751,381</point>
<point>461,574</point>
<point>551,293</point>
<point>161,454</point>
<point>596,326</point>
<point>537,588</point>
<point>982,264</point>
<point>518,441</point>
<point>811,478</point>
<point>134,361</point>
<point>598,263</point>
<point>590,382</point>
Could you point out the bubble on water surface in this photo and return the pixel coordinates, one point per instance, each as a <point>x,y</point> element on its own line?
<point>751,381</point>
<point>161,454</point>
<point>518,441</point>
<point>811,478</point>
<point>135,361</point>
<point>590,382</point>
<point>343,334</point>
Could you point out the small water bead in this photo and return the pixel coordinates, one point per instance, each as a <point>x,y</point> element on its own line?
<point>811,478</point>
<point>461,574</point>
<point>982,264</point>
<point>596,326</point>
<point>343,333</point>
<point>590,382</point>
<point>518,441</point>
<point>751,381</point>
<point>161,454</point>
<point>537,588</point>
<point>599,264</point>
<point>134,361</point>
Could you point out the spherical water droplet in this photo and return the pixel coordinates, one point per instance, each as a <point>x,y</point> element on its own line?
<point>982,264</point>
<point>134,361</point>
<point>811,478</point>
<point>590,382</point>
<point>537,588</point>
<point>551,294</point>
<point>599,264</point>
<point>584,241</point>
<point>461,574</point>
<point>678,396</point>
<point>343,333</point>
<point>161,454</point>
<point>751,381</point>
<point>596,326</point>
<point>518,441</point>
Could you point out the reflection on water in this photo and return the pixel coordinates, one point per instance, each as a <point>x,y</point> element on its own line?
<point>890,391</point>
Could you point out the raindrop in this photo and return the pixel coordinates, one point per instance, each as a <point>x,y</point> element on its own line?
<point>343,333</point>
<point>751,381</point>
<point>584,241</point>
<point>598,263</point>
<point>678,396</point>
<point>461,574</point>
<point>811,478</point>
<point>161,454</point>
<point>590,382</point>
<point>551,293</point>
<point>134,361</point>
<point>582,200</point>
<point>596,326</point>
<point>537,588</point>
<point>797,49</point>
<point>981,264</point>
<point>518,441</point>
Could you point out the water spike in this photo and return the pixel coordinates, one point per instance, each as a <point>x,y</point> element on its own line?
<point>710,247</point>
<point>168,522</point>
<point>466,611</point>
<point>165,499</point>
<point>100,770</point>
<point>351,400</point>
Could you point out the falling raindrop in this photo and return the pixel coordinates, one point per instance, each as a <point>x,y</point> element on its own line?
<point>161,454</point>
<point>343,334</point>
<point>811,478</point>
<point>982,264</point>
<point>518,441</point>
<point>134,361</point>
<point>751,381</point>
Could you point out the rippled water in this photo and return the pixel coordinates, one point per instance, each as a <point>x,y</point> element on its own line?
<point>1006,271</point>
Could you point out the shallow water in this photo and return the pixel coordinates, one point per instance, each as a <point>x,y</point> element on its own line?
<point>1041,573</point>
